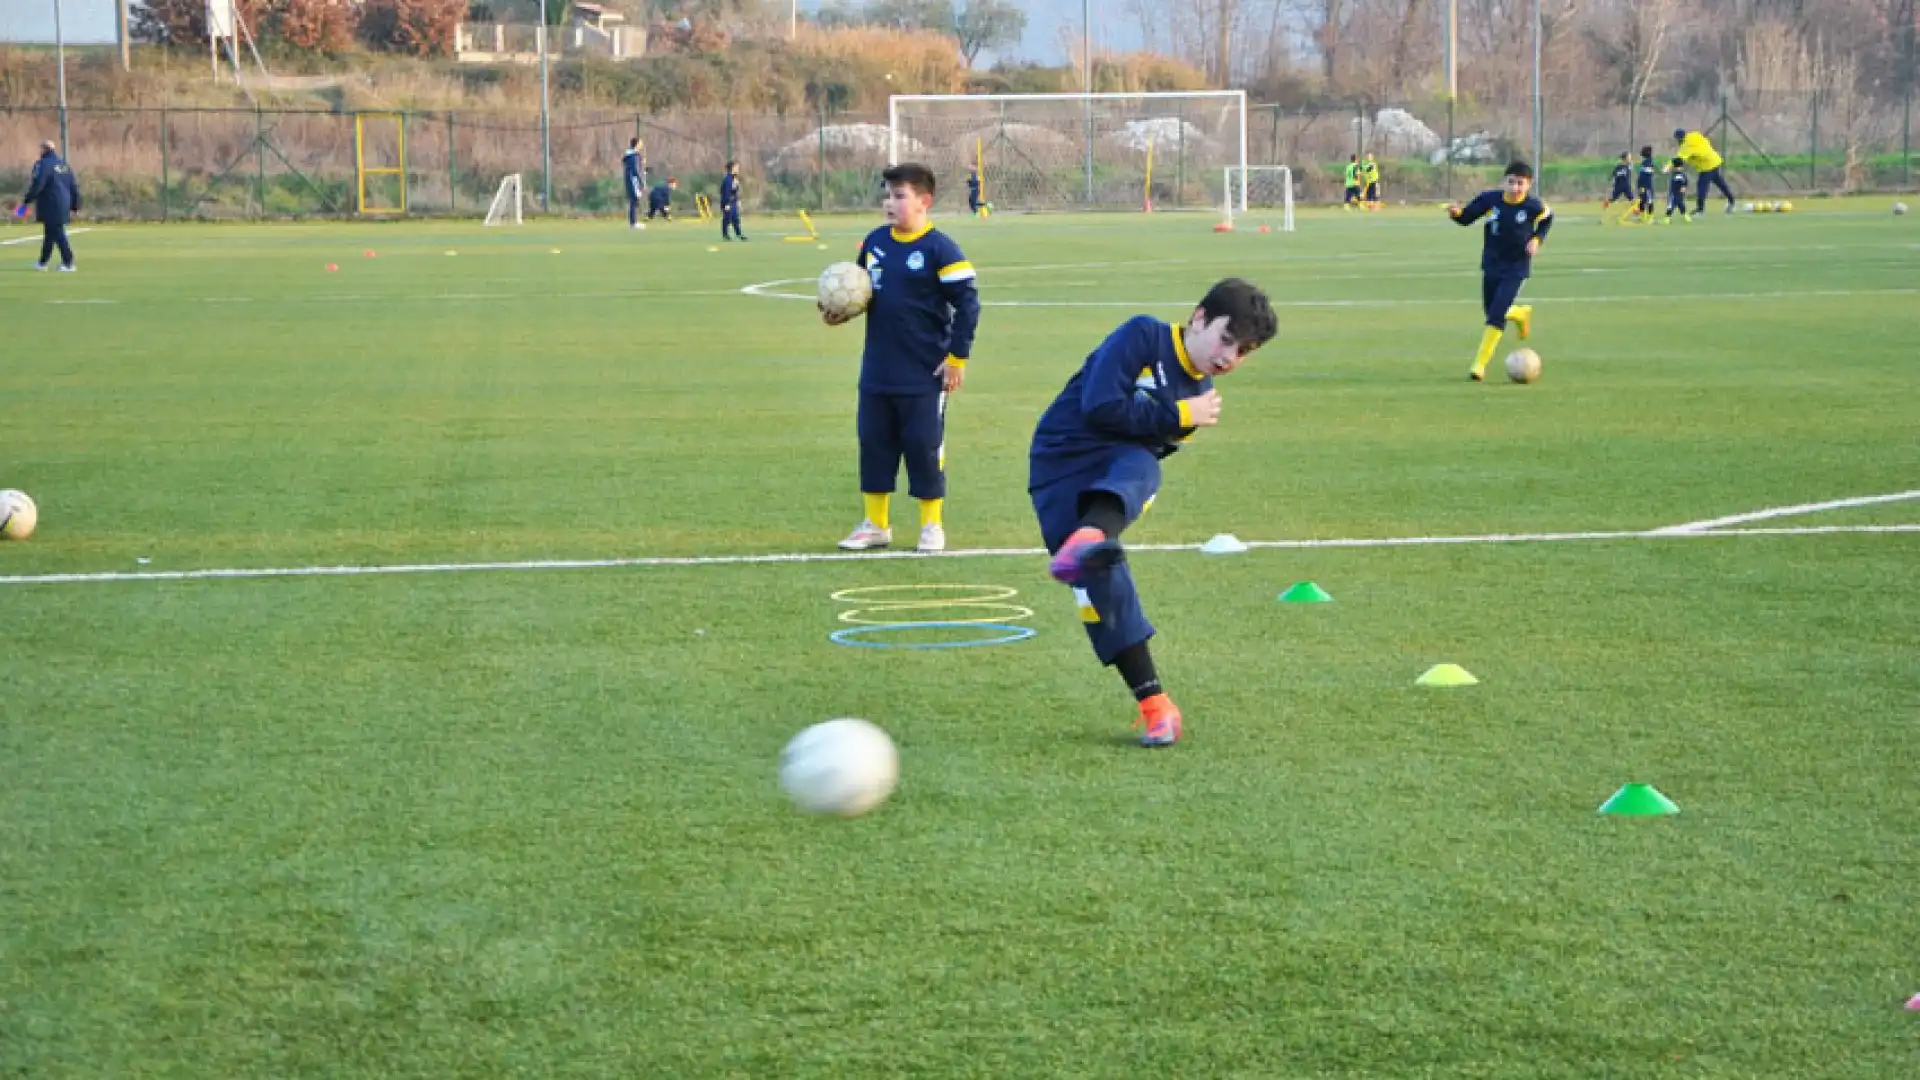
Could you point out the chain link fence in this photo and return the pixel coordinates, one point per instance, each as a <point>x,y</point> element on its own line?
<point>218,164</point>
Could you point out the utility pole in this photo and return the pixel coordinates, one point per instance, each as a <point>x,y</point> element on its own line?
<point>546,132</point>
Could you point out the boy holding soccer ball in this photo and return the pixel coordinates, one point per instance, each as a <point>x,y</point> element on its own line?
<point>1095,465</point>
<point>920,326</point>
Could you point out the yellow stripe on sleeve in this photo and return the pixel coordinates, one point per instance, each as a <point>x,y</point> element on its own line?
<point>960,271</point>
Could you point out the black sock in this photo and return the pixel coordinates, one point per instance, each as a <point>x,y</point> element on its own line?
<point>1135,665</point>
<point>1104,511</point>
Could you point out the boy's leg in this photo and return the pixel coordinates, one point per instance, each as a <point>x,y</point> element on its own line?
<point>1496,296</point>
<point>633,210</point>
<point>66,246</point>
<point>879,431</point>
<point>46,243</point>
<point>1078,522</point>
<point>923,442</point>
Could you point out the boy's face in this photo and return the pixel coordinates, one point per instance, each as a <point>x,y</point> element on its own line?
<point>1518,186</point>
<point>1209,345</point>
<point>906,208</point>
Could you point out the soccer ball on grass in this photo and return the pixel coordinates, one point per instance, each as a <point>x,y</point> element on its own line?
<point>1523,365</point>
<point>1899,208</point>
<point>842,767</point>
<point>845,289</point>
<point>18,515</point>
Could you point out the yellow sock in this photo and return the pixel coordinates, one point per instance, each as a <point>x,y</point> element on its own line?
<point>930,512</point>
<point>1489,338</point>
<point>877,507</point>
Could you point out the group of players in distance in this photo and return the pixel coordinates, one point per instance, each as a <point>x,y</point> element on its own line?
<point>1692,150</point>
<point>1094,460</point>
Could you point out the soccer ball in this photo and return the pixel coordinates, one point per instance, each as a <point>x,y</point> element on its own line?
<point>1523,365</point>
<point>1899,208</point>
<point>1748,207</point>
<point>842,767</point>
<point>1785,207</point>
<point>18,515</point>
<point>845,289</point>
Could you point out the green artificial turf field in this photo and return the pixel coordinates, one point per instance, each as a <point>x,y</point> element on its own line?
<point>512,820</point>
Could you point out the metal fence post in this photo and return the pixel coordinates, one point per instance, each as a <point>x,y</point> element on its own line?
<point>1813,154</point>
<point>453,174</point>
<point>730,133</point>
<point>821,127</point>
<point>259,160</point>
<point>166,178</point>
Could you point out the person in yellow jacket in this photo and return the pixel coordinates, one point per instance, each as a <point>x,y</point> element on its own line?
<point>1696,151</point>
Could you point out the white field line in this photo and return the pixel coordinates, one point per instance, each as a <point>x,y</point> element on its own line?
<point>1785,511</point>
<point>35,238</point>
<point>769,290</point>
<point>976,553</point>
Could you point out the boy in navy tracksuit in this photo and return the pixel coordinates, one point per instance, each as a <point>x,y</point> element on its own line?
<point>730,202</point>
<point>1517,224</point>
<point>635,167</point>
<point>54,195</point>
<point>1095,466</point>
<point>920,326</point>
<point>660,199</point>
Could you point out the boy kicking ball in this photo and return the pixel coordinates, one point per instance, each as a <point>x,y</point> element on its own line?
<point>1095,466</point>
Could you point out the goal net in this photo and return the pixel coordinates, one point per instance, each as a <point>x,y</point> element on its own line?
<point>1075,151</point>
<point>1264,192</point>
<point>505,208</point>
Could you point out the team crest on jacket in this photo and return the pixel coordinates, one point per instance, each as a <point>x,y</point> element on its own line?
<point>915,261</point>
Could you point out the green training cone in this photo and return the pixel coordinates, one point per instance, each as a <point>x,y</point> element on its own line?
<point>1447,675</point>
<point>1305,592</point>
<point>1638,800</point>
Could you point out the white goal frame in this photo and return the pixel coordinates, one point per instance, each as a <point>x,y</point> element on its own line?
<point>1237,99</point>
<point>510,188</point>
<point>1231,185</point>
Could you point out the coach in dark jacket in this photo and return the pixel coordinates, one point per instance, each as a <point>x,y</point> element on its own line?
<point>55,196</point>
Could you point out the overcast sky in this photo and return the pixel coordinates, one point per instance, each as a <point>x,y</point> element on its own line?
<point>82,22</point>
<point>92,22</point>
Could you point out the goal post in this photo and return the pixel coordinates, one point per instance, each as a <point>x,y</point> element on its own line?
<point>1257,189</point>
<point>506,206</point>
<point>1111,151</point>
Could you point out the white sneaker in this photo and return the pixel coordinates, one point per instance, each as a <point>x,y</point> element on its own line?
<point>66,269</point>
<point>639,224</point>
<point>867,536</point>
<point>42,267</point>
<point>932,538</point>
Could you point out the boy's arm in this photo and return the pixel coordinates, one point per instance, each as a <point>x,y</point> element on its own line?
<point>957,288</point>
<point>1472,212</point>
<point>1107,396</point>
<point>1542,223</point>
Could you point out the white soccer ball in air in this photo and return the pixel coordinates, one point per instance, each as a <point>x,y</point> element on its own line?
<point>1899,208</point>
<point>845,289</point>
<point>18,515</point>
<point>1523,365</point>
<point>841,767</point>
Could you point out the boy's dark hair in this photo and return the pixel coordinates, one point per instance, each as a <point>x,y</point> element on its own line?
<point>633,142</point>
<point>1623,155</point>
<point>1520,168</point>
<point>1646,151</point>
<point>730,164</point>
<point>913,174</point>
<point>1250,318</point>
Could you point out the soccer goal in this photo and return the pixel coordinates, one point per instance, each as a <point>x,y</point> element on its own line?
<point>1260,191</point>
<point>1113,151</point>
<point>505,209</point>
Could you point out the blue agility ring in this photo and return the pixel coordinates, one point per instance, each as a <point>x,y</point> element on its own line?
<point>1007,634</point>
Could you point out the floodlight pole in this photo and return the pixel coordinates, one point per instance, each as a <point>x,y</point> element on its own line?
<point>546,132</point>
<point>1453,81</point>
<point>60,53</point>
<point>1539,134</point>
<point>1086,84</point>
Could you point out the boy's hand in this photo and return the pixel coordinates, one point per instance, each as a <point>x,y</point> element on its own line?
<point>1533,246</point>
<point>1204,410</point>
<point>1453,209</point>
<point>950,377</point>
<point>831,318</point>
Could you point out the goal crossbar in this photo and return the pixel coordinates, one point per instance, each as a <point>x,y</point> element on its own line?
<point>901,145</point>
